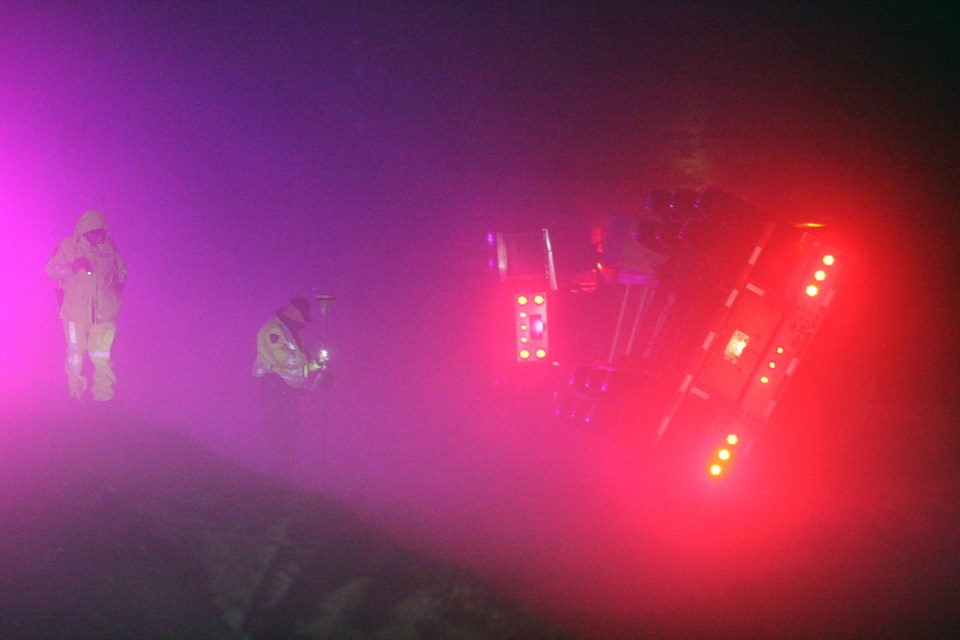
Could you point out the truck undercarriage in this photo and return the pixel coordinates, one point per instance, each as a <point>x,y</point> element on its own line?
<point>689,329</point>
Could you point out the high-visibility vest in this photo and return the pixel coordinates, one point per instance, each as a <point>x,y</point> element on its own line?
<point>279,352</point>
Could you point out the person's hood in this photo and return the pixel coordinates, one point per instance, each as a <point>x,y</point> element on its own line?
<point>89,221</point>
<point>297,310</point>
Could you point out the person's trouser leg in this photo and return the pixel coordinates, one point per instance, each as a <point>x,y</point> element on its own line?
<point>76,335</point>
<point>99,343</point>
<point>280,404</point>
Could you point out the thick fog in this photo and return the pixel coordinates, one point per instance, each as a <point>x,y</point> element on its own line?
<point>244,155</point>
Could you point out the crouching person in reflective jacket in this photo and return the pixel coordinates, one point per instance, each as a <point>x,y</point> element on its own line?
<point>283,364</point>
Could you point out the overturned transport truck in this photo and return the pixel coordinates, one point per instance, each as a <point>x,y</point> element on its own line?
<point>708,306</point>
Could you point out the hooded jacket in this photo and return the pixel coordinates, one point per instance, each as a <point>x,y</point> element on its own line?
<point>93,297</point>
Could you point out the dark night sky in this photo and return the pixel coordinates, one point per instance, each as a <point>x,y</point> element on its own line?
<point>245,153</point>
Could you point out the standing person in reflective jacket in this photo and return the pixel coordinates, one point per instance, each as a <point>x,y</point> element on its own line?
<point>91,274</point>
<point>283,364</point>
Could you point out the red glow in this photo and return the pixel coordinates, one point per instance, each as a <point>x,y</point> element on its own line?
<point>323,138</point>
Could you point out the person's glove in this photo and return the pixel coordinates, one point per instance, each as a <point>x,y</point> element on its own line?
<point>82,265</point>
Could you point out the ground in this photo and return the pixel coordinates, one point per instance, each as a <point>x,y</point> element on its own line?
<point>114,528</point>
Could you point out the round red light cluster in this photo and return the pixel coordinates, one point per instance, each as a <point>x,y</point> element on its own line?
<point>820,275</point>
<point>724,456</point>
